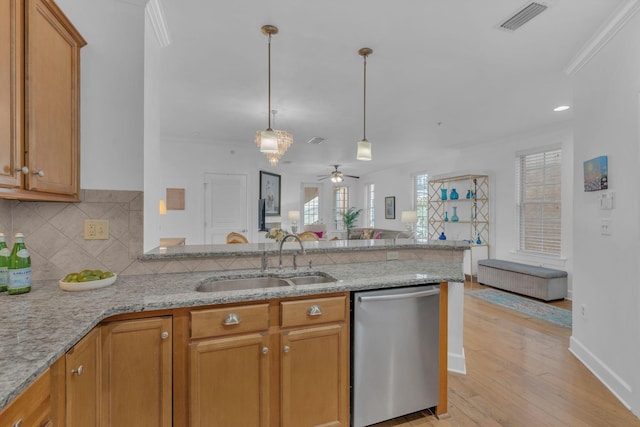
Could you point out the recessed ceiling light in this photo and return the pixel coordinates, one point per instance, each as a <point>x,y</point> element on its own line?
<point>561,108</point>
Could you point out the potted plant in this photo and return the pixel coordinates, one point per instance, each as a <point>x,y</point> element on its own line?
<point>349,218</point>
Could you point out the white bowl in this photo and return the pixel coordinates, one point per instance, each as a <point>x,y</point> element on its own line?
<point>86,286</point>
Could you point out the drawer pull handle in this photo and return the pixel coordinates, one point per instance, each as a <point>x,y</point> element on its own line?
<point>286,349</point>
<point>265,350</point>
<point>77,371</point>
<point>164,335</point>
<point>314,310</point>
<point>231,319</point>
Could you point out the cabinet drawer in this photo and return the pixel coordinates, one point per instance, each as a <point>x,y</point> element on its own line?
<point>313,311</point>
<point>32,407</point>
<point>229,320</point>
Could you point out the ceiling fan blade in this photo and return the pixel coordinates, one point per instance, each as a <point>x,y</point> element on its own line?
<point>351,176</point>
<point>321,177</point>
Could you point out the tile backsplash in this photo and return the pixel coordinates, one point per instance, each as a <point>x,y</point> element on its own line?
<point>54,232</point>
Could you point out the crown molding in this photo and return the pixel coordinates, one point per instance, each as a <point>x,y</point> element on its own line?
<point>155,12</point>
<point>604,34</point>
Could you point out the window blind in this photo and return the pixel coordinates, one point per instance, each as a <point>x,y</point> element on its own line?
<point>341,205</point>
<point>421,204</point>
<point>539,202</point>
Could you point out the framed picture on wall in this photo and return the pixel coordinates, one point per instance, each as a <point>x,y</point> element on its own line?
<point>270,192</point>
<point>390,207</point>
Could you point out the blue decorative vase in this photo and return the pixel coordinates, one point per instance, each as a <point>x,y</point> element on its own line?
<point>443,193</point>
<point>454,217</point>
<point>468,196</point>
<point>446,216</point>
<point>478,241</point>
<point>442,236</point>
<point>454,194</point>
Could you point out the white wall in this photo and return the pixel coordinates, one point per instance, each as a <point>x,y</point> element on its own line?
<point>111,104</point>
<point>607,337</point>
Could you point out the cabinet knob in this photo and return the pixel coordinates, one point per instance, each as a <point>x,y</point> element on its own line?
<point>39,173</point>
<point>314,310</point>
<point>286,349</point>
<point>231,319</point>
<point>164,335</point>
<point>77,371</point>
<point>265,350</point>
<point>24,170</point>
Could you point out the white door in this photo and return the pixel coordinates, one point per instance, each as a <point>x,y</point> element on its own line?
<point>225,206</point>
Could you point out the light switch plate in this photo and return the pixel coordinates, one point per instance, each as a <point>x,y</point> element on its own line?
<point>96,229</point>
<point>393,255</point>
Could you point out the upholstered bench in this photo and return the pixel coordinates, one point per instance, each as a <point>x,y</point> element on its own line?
<point>538,282</point>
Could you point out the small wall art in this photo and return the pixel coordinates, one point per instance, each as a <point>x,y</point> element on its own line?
<point>270,192</point>
<point>596,174</point>
<point>390,207</point>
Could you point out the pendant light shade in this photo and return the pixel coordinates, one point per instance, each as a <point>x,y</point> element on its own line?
<point>364,146</point>
<point>273,143</point>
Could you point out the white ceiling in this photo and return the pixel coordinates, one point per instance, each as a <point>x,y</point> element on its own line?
<point>442,75</point>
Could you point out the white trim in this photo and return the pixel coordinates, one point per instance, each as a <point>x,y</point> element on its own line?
<point>156,15</point>
<point>457,363</point>
<point>605,33</point>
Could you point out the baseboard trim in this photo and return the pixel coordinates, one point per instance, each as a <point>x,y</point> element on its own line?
<point>457,363</point>
<point>616,385</point>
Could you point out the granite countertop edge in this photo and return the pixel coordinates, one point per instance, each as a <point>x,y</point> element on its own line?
<point>41,326</point>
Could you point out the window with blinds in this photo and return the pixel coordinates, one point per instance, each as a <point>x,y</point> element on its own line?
<point>370,203</point>
<point>421,203</point>
<point>341,204</point>
<point>538,177</point>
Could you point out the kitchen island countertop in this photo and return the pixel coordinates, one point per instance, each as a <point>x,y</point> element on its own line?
<point>41,326</point>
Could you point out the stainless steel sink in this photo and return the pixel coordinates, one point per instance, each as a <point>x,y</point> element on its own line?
<point>311,279</point>
<point>244,283</point>
<point>241,284</point>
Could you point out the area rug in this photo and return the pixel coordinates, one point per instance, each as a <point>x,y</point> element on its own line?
<point>539,310</point>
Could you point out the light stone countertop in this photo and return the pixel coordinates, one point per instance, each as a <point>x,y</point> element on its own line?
<point>321,246</point>
<point>39,327</point>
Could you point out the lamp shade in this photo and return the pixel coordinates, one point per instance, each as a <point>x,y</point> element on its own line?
<point>268,141</point>
<point>294,215</point>
<point>364,150</point>
<point>409,217</point>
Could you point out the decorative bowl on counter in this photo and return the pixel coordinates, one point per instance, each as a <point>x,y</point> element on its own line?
<point>87,286</point>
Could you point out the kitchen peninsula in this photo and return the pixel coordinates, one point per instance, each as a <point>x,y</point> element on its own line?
<point>39,328</point>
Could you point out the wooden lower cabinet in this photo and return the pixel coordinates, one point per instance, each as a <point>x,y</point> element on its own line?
<point>32,408</point>
<point>229,381</point>
<point>83,379</point>
<point>137,373</point>
<point>315,385</point>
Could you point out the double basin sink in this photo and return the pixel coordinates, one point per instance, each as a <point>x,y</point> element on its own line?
<point>244,283</point>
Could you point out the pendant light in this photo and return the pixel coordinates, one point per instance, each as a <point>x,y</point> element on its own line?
<point>272,142</point>
<point>364,146</point>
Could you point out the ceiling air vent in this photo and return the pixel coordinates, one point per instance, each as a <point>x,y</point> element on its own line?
<point>525,15</point>
<point>315,140</point>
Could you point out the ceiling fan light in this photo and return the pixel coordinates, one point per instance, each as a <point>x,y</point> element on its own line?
<point>364,150</point>
<point>336,179</point>
<point>268,141</point>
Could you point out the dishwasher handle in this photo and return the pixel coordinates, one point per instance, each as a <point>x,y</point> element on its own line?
<point>392,297</point>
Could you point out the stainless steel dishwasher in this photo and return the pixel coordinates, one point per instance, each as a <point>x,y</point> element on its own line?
<point>395,352</point>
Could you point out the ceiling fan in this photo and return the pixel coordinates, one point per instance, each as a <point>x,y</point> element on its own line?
<point>337,176</point>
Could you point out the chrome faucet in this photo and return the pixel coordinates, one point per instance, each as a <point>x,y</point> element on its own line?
<point>294,255</point>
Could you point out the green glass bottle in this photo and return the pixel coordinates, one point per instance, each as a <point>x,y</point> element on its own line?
<point>19,267</point>
<point>4,263</point>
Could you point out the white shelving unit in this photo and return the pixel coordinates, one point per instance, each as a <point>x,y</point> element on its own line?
<point>472,209</point>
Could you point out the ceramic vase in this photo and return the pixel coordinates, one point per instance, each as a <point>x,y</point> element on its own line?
<point>454,194</point>
<point>468,196</point>
<point>446,216</point>
<point>442,236</point>
<point>443,194</point>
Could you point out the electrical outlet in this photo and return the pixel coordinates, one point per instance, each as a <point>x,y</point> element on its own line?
<point>393,255</point>
<point>605,227</point>
<point>96,229</point>
<point>584,310</point>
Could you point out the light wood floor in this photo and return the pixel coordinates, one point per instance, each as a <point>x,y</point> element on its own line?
<point>521,373</point>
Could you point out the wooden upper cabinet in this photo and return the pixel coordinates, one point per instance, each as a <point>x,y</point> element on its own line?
<point>11,92</point>
<point>40,147</point>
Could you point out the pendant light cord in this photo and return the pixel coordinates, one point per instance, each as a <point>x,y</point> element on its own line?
<point>364,121</point>
<point>269,85</point>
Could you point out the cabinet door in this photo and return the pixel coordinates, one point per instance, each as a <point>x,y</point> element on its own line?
<point>32,408</point>
<point>315,376</point>
<point>83,381</point>
<point>229,381</point>
<point>136,373</point>
<point>11,91</point>
<point>52,68</point>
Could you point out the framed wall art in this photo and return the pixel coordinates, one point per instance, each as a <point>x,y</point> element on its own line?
<point>270,192</point>
<point>390,207</point>
<point>596,174</point>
